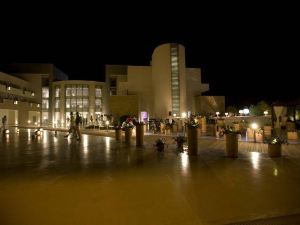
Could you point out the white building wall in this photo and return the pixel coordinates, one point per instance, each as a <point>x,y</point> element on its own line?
<point>161,81</point>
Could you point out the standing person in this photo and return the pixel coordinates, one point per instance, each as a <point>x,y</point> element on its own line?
<point>92,120</point>
<point>77,123</point>
<point>4,120</point>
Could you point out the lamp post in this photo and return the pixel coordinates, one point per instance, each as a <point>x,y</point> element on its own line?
<point>254,127</point>
<point>226,114</point>
<point>266,112</point>
<point>217,113</point>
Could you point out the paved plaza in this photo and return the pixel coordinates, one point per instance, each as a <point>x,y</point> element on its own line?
<point>53,180</point>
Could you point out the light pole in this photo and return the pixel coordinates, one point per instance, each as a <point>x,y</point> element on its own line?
<point>254,127</point>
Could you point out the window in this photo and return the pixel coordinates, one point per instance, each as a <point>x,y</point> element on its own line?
<point>45,104</point>
<point>98,92</point>
<point>57,103</point>
<point>57,92</point>
<point>45,92</point>
<point>85,91</point>
<point>98,104</point>
<point>68,103</point>
<point>85,103</point>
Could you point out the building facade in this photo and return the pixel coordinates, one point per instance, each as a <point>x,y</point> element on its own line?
<point>85,97</point>
<point>19,101</point>
<point>164,88</point>
<point>41,94</point>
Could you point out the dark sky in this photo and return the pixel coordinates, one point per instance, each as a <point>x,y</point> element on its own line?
<point>250,52</point>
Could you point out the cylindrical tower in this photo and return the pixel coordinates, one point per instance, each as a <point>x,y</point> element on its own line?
<point>168,80</point>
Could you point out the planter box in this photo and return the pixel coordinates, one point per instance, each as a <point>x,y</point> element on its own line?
<point>274,150</point>
<point>139,134</point>
<point>128,135</point>
<point>292,135</point>
<point>118,134</point>
<point>231,145</point>
<point>192,141</point>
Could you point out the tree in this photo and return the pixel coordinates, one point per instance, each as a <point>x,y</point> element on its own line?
<point>261,107</point>
<point>231,109</point>
<point>253,110</point>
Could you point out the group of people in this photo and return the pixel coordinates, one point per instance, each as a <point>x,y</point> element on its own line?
<point>74,126</point>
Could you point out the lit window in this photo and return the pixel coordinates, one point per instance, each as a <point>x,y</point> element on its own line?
<point>45,92</point>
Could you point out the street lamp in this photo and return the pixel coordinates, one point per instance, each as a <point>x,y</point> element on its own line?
<point>217,113</point>
<point>266,112</point>
<point>254,127</point>
<point>226,114</point>
<point>241,112</point>
<point>246,111</point>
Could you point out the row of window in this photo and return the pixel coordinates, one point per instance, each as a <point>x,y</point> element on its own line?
<point>72,91</point>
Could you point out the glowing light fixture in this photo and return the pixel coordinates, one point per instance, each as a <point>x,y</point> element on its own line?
<point>246,111</point>
<point>254,126</point>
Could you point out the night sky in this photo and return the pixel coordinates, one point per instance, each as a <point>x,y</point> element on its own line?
<point>248,53</point>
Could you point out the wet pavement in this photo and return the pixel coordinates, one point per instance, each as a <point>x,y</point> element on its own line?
<point>57,180</point>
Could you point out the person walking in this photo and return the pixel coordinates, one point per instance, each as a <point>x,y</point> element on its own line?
<point>72,125</point>
<point>77,124</point>
<point>4,120</point>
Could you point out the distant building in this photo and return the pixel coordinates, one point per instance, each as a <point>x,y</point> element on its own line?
<point>164,88</point>
<point>41,94</point>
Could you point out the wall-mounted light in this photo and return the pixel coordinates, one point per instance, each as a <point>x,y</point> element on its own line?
<point>32,94</point>
<point>8,88</point>
<point>16,102</point>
